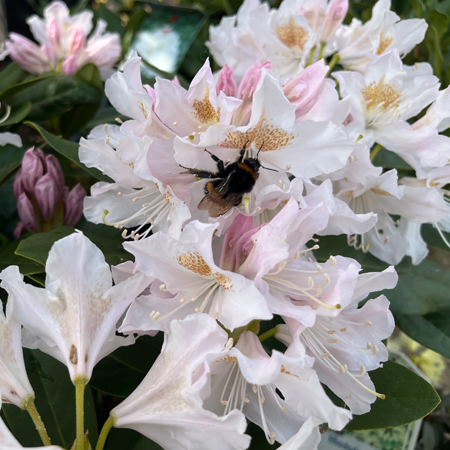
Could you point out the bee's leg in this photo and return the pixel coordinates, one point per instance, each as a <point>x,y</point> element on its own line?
<point>200,173</point>
<point>220,164</point>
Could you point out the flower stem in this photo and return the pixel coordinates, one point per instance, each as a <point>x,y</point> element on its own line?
<point>105,430</point>
<point>28,404</point>
<point>311,56</point>
<point>80,382</point>
<point>374,152</point>
<point>268,334</point>
<point>334,60</point>
<point>322,46</point>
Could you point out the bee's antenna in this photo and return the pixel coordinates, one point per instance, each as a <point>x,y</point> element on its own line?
<point>268,168</point>
<point>260,148</point>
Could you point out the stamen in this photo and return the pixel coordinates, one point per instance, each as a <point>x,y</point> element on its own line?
<point>246,205</point>
<point>375,349</point>
<point>288,167</point>
<point>229,344</point>
<point>119,120</point>
<point>175,124</point>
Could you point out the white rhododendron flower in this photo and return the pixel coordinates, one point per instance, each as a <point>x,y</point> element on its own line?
<point>74,318</point>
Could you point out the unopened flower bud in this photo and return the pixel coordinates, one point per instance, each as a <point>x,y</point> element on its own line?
<point>251,79</point>
<point>78,42</point>
<point>19,230</point>
<point>47,195</point>
<point>225,83</point>
<point>70,65</point>
<point>54,36</point>
<point>73,204</point>
<point>56,172</point>
<point>18,186</point>
<point>32,170</point>
<point>27,213</point>
<point>27,54</point>
<point>336,13</point>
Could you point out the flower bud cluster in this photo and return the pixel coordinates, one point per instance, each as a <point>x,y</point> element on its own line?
<point>64,42</point>
<point>43,200</point>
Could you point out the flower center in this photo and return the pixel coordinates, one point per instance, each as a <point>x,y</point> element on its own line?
<point>292,35</point>
<point>385,42</point>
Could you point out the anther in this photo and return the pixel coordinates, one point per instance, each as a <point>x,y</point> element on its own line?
<point>182,300</point>
<point>369,346</point>
<point>331,331</point>
<point>332,341</point>
<point>135,199</point>
<point>255,389</point>
<point>332,261</point>
<point>245,399</point>
<point>119,194</point>
<point>200,127</point>
<point>144,205</point>
<point>325,355</point>
<point>362,370</point>
<point>342,369</point>
<point>193,299</point>
<point>343,330</point>
<point>198,310</point>
<point>375,349</point>
<point>262,399</point>
<point>288,167</point>
<point>119,120</point>
<point>368,323</point>
<point>319,268</point>
<point>175,124</point>
<point>281,184</point>
<point>229,344</point>
<point>162,287</point>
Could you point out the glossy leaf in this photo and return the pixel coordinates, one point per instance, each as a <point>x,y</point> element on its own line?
<point>9,258</point>
<point>10,159</point>
<point>11,74</point>
<point>55,95</point>
<point>113,378</point>
<point>18,113</point>
<point>408,398</point>
<point>15,89</point>
<point>68,149</point>
<point>55,401</point>
<point>431,330</point>
<point>37,246</point>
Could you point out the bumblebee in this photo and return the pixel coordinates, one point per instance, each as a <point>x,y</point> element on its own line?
<point>229,184</point>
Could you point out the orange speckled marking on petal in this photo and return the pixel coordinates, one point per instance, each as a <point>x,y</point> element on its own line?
<point>292,35</point>
<point>204,112</point>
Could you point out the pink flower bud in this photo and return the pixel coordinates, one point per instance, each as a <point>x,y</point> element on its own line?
<point>70,65</point>
<point>336,13</point>
<point>73,204</point>
<point>251,79</point>
<point>32,170</point>
<point>27,54</point>
<point>303,89</point>
<point>19,230</point>
<point>55,171</point>
<point>18,185</point>
<point>176,81</point>
<point>47,195</point>
<point>27,213</point>
<point>78,42</point>
<point>237,243</point>
<point>225,83</point>
<point>54,36</point>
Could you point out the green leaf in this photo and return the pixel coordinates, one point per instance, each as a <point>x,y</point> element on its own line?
<point>55,95</point>
<point>141,355</point>
<point>408,398</point>
<point>37,246</point>
<point>113,378</point>
<point>385,158</point>
<point>11,74</point>
<point>76,119</point>
<point>55,401</point>
<point>430,330</point>
<point>10,159</point>
<point>17,88</point>
<point>9,258</point>
<point>113,22</point>
<point>121,438</point>
<point>68,149</point>
<point>18,113</point>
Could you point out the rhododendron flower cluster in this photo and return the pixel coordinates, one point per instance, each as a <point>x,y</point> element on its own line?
<point>65,43</point>
<point>223,192</point>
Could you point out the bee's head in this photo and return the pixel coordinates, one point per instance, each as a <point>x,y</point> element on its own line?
<point>257,163</point>
<point>253,163</point>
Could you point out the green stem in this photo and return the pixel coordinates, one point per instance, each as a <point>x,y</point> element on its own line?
<point>334,60</point>
<point>105,430</point>
<point>322,46</point>
<point>80,382</point>
<point>311,56</point>
<point>28,404</point>
<point>374,152</point>
<point>268,334</point>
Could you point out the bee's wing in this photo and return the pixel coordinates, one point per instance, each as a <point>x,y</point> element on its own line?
<point>219,201</point>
